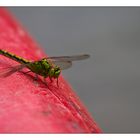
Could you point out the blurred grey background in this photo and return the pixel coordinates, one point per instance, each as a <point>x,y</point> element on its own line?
<point>109,82</point>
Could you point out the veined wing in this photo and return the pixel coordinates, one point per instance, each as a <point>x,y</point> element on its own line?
<point>10,70</point>
<point>62,64</point>
<point>70,58</point>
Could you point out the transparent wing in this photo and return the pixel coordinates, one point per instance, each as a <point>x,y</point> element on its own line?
<point>70,58</point>
<point>5,72</point>
<point>63,64</point>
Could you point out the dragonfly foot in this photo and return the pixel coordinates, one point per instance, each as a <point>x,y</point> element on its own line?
<point>35,79</point>
<point>44,79</point>
<point>57,83</point>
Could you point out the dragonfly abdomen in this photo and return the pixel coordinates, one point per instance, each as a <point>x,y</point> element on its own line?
<point>13,57</point>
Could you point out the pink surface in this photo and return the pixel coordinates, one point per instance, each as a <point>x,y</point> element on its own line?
<point>32,107</point>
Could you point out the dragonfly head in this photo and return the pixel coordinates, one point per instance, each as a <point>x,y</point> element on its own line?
<point>55,72</point>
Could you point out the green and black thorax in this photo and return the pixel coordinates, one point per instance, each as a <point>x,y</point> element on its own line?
<point>45,68</point>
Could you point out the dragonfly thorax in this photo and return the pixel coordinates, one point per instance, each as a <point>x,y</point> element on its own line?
<point>45,68</point>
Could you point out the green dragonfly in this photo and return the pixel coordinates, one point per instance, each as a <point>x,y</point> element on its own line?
<point>47,67</point>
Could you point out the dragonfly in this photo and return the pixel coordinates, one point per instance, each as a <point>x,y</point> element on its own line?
<point>46,67</point>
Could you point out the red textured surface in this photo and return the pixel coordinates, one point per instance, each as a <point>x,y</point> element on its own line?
<point>29,107</point>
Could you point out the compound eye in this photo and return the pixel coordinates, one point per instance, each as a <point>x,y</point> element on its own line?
<point>57,68</point>
<point>44,59</point>
<point>57,72</point>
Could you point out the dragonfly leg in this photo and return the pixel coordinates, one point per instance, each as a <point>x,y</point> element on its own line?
<point>36,77</point>
<point>50,79</point>
<point>57,83</point>
<point>44,79</point>
<point>27,72</point>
